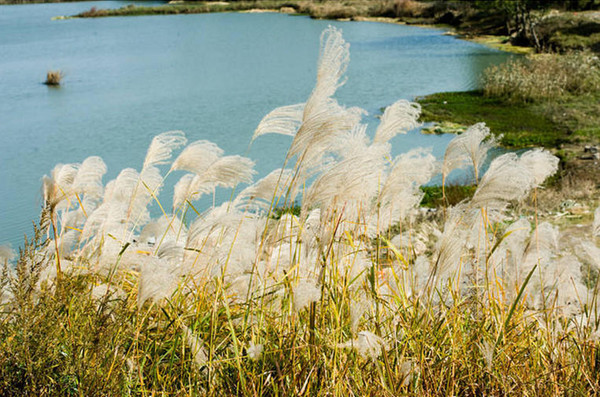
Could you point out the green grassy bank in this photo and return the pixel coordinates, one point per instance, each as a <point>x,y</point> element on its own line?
<point>574,121</point>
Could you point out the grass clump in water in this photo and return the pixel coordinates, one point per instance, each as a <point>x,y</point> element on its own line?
<point>54,77</point>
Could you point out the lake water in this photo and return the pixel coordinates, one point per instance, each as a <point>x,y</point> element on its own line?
<point>214,76</point>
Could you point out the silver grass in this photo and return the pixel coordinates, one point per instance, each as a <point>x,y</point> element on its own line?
<point>163,229</point>
<point>229,171</point>
<point>591,253</point>
<point>409,170</point>
<point>323,117</point>
<point>254,351</point>
<point>272,187</point>
<point>95,222</point>
<point>323,125</point>
<point>162,147</point>
<point>508,257</point>
<point>124,208</point>
<point>150,182</point>
<point>450,247</point>
<point>395,209</point>
<point>285,120</point>
<point>545,237</point>
<point>74,218</point>
<point>181,191</point>
<point>354,178</point>
<point>398,118</point>
<point>470,147</point>
<point>596,225</point>
<point>171,252</point>
<point>334,56</point>
<point>122,188</point>
<point>130,256</point>
<point>306,292</point>
<point>223,226</point>
<point>158,280</point>
<point>367,344</point>
<point>540,163</point>
<point>287,228</point>
<point>506,180</point>
<point>59,185</point>
<point>400,192</point>
<point>88,180</point>
<point>196,346</point>
<point>197,157</point>
<point>226,172</point>
<point>67,242</point>
<point>352,143</point>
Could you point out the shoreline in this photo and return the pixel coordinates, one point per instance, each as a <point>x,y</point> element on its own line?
<point>500,43</point>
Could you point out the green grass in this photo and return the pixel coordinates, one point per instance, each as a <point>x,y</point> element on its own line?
<point>434,195</point>
<point>571,120</point>
<point>521,125</point>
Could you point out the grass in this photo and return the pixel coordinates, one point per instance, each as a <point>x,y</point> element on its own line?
<point>543,78</point>
<point>355,292</point>
<point>53,77</point>
<point>454,194</point>
<point>520,125</point>
<point>543,100</point>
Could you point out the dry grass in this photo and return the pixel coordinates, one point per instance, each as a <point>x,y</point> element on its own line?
<point>543,77</point>
<point>54,77</point>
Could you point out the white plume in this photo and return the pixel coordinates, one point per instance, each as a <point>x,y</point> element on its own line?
<point>284,120</point>
<point>334,56</point>
<point>540,163</point>
<point>89,177</point>
<point>596,225</point>
<point>368,345</point>
<point>468,148</point>
<point>273,186</point>
<point>162,147</point>
<point>59,185</point>
<point>504,181</point>
<point>197,157</point>
<point>398,118</point>
<point>181,191</point>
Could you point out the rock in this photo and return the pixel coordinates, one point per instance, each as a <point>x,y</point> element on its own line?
<point>287,10</point>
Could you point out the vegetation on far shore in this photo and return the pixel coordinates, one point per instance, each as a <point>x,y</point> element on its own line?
<point>546,26</point>
<point>545,100</point>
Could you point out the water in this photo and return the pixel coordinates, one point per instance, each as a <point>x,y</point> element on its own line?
<point>213,76</point>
